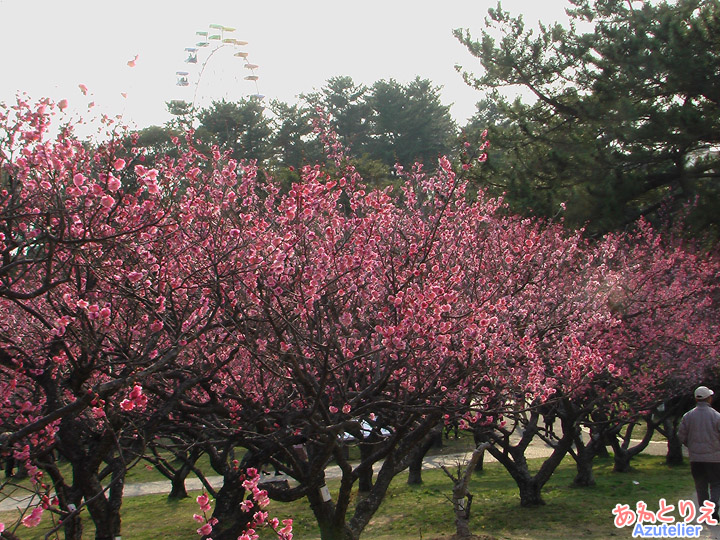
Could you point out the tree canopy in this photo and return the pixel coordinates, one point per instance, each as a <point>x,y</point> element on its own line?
<point>623,120</point>
<point>390,122</point>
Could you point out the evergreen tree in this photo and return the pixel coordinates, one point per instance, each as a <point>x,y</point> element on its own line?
<point>624,116</point>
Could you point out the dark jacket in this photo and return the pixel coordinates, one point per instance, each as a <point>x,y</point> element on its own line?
<point>700,432</point>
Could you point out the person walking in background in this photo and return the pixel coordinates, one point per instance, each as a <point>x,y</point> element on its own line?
<point>700,432</point>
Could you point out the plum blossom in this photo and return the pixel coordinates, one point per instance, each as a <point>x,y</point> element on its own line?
<point>127,405</point>
<point>205,530</point>
<point>113,184</point>
<point>204,502</point>
<point>33,520</point>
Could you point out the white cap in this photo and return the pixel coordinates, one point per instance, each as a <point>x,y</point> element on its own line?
<point>703,392</point>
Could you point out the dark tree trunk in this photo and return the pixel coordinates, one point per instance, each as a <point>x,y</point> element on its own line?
<point>621,459</point>
<point>332,526</point>
<point>584,455</point>
<point>103,505</point>
<point>365,475</point>
<point>481,463</point>
<point>68,498</point>
<point>15,469</point>
<point>73,528</point>
<point>530,492</point>
<point>105,514</point>
<point>674,446</point>
<point>602,452</point>
<point>599,442</point>
<point>416,461</point>
<point>232,520</point>
<point>415,471</point>
<point>177,482</point>
<point>585,476</point>
<point>177,488</point>
<point>623,453</point>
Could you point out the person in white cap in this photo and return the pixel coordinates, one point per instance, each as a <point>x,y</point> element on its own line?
<point>700,432</point>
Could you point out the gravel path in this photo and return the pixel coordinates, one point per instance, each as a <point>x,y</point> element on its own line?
<point>20,498</point>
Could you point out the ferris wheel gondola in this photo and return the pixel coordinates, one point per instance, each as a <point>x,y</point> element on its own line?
<point>182,78</point>
<point>192,57</point>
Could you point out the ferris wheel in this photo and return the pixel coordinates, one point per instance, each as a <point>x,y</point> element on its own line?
<point>216,66</point>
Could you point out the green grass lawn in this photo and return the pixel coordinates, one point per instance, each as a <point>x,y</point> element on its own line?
<point>424,512</point>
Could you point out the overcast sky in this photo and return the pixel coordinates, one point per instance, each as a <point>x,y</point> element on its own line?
<point>49,47</point>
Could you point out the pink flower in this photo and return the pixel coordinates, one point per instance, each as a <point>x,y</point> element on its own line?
<point>113,183</point>
<point>260,517</point>
<point>33,520</point>
<point>134,277</point>
<point>333,409</point>
<point>205,530</point>
<point>127,405</point>
<point>204,502</point>
<point>2,527</point>
<point>246,505</point>
<point>78,180</point>
<point>62,105</point>
<point>107,201</point>
<point>198,518</point>
<point>83,89</point>
<point>119,164</point>
<point>287,529</point>
<point>346,408</point>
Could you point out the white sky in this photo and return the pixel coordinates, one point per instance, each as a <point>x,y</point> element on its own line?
<point>49,47</point>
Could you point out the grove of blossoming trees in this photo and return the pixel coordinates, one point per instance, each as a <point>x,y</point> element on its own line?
<point>198,301</point>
